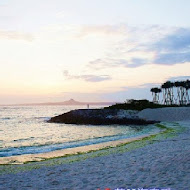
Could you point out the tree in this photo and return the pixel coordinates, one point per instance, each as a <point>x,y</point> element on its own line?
<point>155,94</point>
<point>183,93</point>
<point>187,88</point>
<point>177,84</point>
<point>168,95</point>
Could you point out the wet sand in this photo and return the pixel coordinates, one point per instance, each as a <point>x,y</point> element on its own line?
<point>21,159</point>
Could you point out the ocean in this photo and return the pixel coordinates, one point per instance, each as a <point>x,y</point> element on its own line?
<point>25,130</point>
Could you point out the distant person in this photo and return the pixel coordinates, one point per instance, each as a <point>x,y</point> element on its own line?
<point>88,106</point>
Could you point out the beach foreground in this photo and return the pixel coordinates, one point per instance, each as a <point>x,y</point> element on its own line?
<point>160,162</point>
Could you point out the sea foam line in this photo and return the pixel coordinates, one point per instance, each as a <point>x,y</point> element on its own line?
<point>21,159</point>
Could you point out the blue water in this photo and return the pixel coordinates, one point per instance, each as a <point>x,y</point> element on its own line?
<point>24,130</point>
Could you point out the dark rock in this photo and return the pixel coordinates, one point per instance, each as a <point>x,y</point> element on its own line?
<point>97,117</point>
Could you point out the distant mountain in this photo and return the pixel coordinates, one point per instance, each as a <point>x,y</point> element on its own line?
<point>70,102</point>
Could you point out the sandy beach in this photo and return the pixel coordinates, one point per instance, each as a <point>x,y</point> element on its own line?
<point>162,161</point>
<point>94,95</point>
<point>21,159</point>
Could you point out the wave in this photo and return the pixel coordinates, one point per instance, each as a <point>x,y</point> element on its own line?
<point>43,118</point>
<point>42,148</point>
<point>26,139</point>
<point>5,118</point>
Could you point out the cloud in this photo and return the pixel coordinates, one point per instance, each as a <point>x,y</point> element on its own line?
<point>88,78</point>
<point>172,58</point>
<point>177,41</point>
<point>178,78</point>
<point>154,45</point>
<point>149,85</point>
<point>174,48</point>
<point>104,63</point>
<point>137,62</point>
<point>15,35</point>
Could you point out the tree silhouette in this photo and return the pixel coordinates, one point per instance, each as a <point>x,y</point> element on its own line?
<point>182,93</point>
<point>155,94</point>
<point>187,88</point>
<point>168,95</point>
<point>177,84</point>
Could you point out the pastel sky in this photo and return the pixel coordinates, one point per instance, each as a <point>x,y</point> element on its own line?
<point>91,50</point>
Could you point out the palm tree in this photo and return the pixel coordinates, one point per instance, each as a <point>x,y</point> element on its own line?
<point>168,96</point>
<point>163,86</point>
<point>187,88</point>
<point>155,94</point>
<point>171,92</point>
<point>177,84</point>
<point>182,92</point>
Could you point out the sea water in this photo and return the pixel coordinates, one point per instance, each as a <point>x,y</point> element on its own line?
<point>25,130</point>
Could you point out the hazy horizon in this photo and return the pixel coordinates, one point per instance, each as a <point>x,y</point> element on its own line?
<point>67,102</point>
<point>91,51</point>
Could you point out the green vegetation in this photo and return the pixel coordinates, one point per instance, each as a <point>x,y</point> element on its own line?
<point>138,105</point>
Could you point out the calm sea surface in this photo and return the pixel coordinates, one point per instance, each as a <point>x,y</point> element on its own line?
<point>24,130</point>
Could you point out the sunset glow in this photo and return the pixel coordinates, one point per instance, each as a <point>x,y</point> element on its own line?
<point>90,50</point>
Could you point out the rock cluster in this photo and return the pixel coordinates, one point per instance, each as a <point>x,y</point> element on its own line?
<point>100,117</point>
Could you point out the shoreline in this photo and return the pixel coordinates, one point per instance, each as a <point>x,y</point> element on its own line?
<point>163,114</point>
<point>165,156</point>
<point>26,158</point>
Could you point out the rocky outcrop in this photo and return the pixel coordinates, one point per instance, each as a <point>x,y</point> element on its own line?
<point>100,117</point>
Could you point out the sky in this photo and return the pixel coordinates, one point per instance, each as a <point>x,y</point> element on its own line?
<point>91,50</point>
